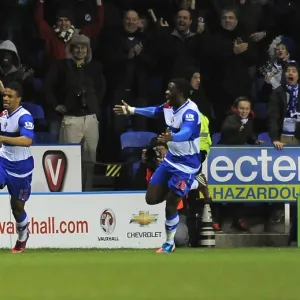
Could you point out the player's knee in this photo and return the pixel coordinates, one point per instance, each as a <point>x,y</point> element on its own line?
<point>150,200</point>
<point>17,207</point>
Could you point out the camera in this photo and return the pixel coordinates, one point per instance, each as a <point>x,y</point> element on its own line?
<point>151,156</point>
<point>81,95</point>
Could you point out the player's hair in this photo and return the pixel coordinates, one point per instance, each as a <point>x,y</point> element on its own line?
<point>183,86</point>
<point>15,86</point>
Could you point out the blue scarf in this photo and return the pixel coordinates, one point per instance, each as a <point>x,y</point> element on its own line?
<point>293,107</point>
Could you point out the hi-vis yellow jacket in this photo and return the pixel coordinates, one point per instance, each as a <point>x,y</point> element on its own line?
<point>205,139</point>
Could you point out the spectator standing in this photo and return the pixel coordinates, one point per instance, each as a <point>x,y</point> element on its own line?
<point>231,53</point>
<point>75,88</point>
<point>284,109</point>
<point>181,48</point>
<point>129,62</point>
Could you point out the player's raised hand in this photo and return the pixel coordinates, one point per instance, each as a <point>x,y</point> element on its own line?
<point>124,109</point>
<point>166,136</point>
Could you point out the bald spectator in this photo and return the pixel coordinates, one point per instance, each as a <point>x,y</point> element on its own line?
<point>180,48</point>
<point>128,62</point>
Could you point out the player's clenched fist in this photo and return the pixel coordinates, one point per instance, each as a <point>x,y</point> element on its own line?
<point>124,109</point>
<point>166,137</point>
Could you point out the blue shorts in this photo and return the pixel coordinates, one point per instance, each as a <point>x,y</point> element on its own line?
<point>19,188</point>
<point>178,182</point>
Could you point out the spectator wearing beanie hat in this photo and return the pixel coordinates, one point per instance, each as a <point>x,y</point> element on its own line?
<point>57,37</point>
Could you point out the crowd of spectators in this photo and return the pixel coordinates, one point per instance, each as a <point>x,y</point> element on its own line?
<point>76,59</point>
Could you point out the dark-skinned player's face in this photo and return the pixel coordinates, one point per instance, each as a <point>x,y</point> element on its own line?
<point>172,93</point>
<point>11,100</point>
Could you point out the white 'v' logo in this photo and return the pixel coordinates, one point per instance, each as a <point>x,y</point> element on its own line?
<point>54,175</point>
<point>55,166</point>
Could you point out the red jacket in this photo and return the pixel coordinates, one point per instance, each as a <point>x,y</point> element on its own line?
<point>55,48</point>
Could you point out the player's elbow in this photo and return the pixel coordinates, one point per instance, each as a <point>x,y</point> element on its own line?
<point>27,142</point>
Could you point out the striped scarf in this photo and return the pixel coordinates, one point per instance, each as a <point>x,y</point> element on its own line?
<point>66,36</point>
<point>293,107</point>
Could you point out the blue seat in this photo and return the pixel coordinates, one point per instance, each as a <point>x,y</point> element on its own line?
<point>132,143</point>
<point>44,138</point>
<point>35,110</point>
<point>264,136</point>
<point>136,139</point>
<point>216,138</point>
<point>260,110</point>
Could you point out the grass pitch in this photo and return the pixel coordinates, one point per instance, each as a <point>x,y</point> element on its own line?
<point>187,274</point>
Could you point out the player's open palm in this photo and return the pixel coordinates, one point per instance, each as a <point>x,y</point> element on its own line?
<point>124,109</point>
<point>166,136</point>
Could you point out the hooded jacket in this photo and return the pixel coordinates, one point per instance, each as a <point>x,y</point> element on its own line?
<point>199,96</point>
<point>14,73</point>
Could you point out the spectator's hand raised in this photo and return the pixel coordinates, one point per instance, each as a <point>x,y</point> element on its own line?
<point>268,79</point>
<point>239,48</point>
<point>163,23</point>
<point>152,15</point>
<point>200,27</point>
<point>278,145</point>
<point>257,36</point>
<point>124,109</point>
<point>1,87</point>
<point>61,109</point>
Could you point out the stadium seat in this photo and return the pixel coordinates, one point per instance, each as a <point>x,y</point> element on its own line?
<point>44,138</point>
<point>132,143</point>
<point>264,136</point>
<point>35,110</point>
<point>260,110</point>
<point>216,138</point>
<point>136,139</point>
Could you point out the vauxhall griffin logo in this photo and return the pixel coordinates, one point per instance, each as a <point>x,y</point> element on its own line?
<point>55,167</point>
<point>108,221</point>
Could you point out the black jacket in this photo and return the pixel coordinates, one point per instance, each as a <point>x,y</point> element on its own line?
<point>231,133</point>
<point>122,72</point>
<point>277,108</point>
<point>232,75</point>
<point>177,53</point>
<point>69,85</point>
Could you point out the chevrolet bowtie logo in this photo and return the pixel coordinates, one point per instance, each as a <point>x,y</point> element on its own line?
<point>144,218</point>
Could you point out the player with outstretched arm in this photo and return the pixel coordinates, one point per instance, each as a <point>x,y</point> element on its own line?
<point>177,174</point>
<point>16,161</point>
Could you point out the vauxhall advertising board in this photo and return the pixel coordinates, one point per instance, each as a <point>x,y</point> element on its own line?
<point>253,173</point>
